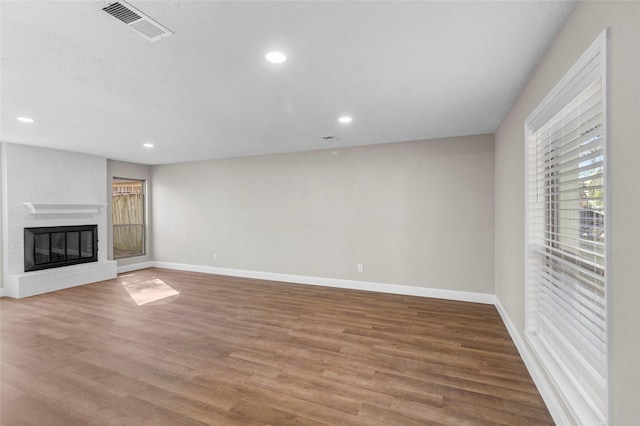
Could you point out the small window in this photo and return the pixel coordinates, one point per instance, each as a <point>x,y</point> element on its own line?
<point>128,216</point>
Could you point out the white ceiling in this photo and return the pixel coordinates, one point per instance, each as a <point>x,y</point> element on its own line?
<point>402,70</point>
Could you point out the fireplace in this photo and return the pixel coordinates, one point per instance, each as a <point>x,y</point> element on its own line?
<point>56,246</point>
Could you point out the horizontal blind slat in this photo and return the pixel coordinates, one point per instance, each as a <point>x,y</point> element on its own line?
<point>580,133</point>
<point>565,255</point>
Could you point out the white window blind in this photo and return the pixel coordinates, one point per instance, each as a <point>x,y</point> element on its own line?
<point>566,247</point>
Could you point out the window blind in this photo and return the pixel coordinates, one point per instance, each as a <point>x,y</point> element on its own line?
<point>567,315</point>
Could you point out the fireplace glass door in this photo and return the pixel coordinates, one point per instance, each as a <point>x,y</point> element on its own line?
<point>52,247</point>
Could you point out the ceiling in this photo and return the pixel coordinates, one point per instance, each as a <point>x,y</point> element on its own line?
<point>402,70</point>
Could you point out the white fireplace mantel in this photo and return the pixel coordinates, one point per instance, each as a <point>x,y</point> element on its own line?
<point>63,208</point>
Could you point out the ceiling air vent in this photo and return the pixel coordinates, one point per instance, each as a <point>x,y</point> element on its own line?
<point>136,20</point>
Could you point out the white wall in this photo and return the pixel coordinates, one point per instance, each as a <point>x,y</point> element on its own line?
<point>416,213</point>
<point>120,169</point>
<point>587,21</point>
<point>2,240</point>
<point>42,175</point>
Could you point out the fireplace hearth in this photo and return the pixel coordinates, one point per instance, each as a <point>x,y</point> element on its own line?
<point>57,246</point>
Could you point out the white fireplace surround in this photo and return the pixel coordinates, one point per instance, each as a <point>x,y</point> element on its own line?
<point>41,188</point>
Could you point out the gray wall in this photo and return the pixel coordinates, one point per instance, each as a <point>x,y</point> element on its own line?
<point>415,213</point>
<point>133,171</point>
<point>587,21</point>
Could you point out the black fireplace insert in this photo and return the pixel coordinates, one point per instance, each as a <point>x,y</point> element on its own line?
<point>56,246</point>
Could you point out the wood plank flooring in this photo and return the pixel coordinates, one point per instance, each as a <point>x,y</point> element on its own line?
<point>234,351</point>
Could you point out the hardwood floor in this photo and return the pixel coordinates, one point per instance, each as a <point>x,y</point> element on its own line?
<point>234,351</point>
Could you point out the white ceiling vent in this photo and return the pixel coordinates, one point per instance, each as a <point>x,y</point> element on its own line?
<point>136,20</point>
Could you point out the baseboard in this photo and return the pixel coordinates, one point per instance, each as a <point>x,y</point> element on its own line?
<point>134,267</point>
<point>544,388</point>
<point>338,283</point>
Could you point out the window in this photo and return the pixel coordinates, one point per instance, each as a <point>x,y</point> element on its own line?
<point>128,215</point>
<point>566,322</point>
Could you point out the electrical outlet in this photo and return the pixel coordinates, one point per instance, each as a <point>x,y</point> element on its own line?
<point>360,268</point>
<point>215,256</point>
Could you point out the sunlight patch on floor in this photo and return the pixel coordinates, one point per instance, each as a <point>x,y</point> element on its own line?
<point>149,291</point>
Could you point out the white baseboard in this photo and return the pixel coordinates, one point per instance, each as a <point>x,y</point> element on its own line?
<point>544,388</point>
<point>339,283</point>
<point>134,267</point>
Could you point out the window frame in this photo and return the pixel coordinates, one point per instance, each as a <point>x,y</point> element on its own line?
<point>568,88</point>
<point>144,217</point>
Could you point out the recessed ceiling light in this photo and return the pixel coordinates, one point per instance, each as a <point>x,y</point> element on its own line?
<point>276,57</point>
<point>25,119</point>
<point>345,119</point>
<point>148,145</point>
